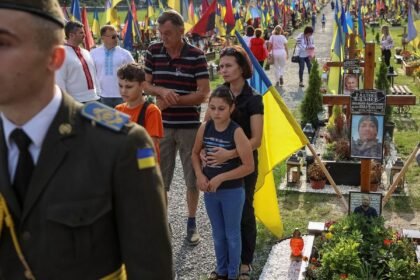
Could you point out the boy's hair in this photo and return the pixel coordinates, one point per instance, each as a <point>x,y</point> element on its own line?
<point>308,30</point>
<point>258,32</point>
<point>225,93</point>
<point>131,72</point>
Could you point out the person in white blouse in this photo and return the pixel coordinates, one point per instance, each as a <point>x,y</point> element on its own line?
<point>277,46</point>
<point>108,58</point>
<point>386,45</point>
<point>77,76</point>
<point>249,35</point>
<point>305,48</point>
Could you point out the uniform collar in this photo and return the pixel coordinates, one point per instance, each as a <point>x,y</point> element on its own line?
<point>37,127</point>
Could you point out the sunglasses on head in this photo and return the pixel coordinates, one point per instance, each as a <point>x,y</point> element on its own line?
<point>228,51</point>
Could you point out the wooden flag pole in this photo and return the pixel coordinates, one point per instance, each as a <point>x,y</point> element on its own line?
<point>400,176</point>
<point>327,174</point>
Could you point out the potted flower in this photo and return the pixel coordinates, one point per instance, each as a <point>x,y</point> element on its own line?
<point>316,176</point>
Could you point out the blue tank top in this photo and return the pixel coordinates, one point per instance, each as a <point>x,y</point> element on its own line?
<point>225,139</point>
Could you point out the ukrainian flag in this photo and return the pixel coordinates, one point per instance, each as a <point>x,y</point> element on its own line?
<point>146,158</point>
<point>278,124</point>
<point>95,25</point>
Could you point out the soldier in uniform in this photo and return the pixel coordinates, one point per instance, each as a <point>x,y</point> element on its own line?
<point>81,196</point>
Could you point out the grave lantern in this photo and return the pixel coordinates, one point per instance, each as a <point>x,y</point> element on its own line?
<point>395,169</point>
<point>293,170</point>
<point>309,131</point>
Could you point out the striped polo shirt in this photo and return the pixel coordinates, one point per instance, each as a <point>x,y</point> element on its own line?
<point>181,75</point>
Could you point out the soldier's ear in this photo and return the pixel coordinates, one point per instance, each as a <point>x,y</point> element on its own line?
<point>58,54</point>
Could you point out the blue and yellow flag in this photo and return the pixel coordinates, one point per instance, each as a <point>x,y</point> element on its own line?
<point>334,77</point>
<point>111,11</point>
<point>128,35</point>
<point>95,25</point>
<point>146,158</point>
<point>75,11</point>
<point>150,9</point>
<point>278,124</point>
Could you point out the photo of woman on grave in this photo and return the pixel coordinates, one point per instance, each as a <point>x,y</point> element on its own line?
<point>367,136</point>
<point>351,83</point>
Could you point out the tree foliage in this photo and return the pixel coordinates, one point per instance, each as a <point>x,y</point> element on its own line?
<point>312,102</point>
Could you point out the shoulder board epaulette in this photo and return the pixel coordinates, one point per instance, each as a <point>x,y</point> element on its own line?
<point>101,114</point>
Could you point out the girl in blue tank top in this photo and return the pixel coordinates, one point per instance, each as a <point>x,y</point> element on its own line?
<point>222,184</point>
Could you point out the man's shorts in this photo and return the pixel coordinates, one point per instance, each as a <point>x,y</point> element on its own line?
<point>182,140</point>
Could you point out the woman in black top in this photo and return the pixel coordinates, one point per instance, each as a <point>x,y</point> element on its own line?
<point>235,68</point>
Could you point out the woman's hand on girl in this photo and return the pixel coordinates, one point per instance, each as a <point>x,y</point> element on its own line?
<point>214,183</point>
<point>217,156</point>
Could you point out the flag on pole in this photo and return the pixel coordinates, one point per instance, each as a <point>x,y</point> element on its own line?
<point>128,36</point>
<point>207,20</point>
<point>95,24</point>
<point>278,122</point>
<point>361,25</point>
<point>75,11</point>
<point>88,42</point>
<point>111,11</point>
<point>334,76</point>
<point>150,10</point>
<point>229,18</point>
<point>176,5</point>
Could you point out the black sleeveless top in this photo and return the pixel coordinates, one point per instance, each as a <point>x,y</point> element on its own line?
<point>225,139</point>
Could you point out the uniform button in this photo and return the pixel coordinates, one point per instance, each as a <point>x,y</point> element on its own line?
<point>26,236</point>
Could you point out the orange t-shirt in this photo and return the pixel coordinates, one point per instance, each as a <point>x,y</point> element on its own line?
<point>152,120</point>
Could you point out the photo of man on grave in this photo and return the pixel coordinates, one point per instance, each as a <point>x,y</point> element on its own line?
<point>367,204</point>
<point>351,83</point>
<point>367,136</point>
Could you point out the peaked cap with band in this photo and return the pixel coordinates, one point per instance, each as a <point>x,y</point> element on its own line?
<point>47,9</point>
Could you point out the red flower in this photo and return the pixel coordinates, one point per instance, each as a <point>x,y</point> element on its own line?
<point>387,242</point>
<point>343,276</point>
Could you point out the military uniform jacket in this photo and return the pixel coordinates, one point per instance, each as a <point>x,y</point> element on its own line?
<point>89,207</point>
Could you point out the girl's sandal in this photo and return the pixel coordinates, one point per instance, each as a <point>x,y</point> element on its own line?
<point>214,276</point>
<point>246,274</point>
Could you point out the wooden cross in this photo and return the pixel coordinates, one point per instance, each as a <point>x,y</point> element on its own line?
<point>369,73</point>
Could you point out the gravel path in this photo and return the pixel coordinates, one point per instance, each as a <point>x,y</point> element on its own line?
<point>195,263</point>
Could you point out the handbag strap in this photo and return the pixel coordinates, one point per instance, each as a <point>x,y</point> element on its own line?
<point>294,50</point>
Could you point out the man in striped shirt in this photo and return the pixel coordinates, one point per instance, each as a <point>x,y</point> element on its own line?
<point>176,72</point>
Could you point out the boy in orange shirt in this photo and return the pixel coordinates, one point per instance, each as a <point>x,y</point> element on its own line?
<point>130,81</point>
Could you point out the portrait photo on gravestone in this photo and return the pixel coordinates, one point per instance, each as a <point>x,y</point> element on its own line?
<point>350,83</point>
<point>367,136</point>
<point>367,204</point>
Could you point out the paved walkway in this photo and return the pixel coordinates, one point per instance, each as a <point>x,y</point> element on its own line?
<point>291,93</point>
<point>195,263</point>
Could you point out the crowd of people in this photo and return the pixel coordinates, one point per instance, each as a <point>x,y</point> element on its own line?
<point>89,169</point>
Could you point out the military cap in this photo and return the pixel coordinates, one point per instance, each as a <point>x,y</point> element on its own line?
<point>48,9</point>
